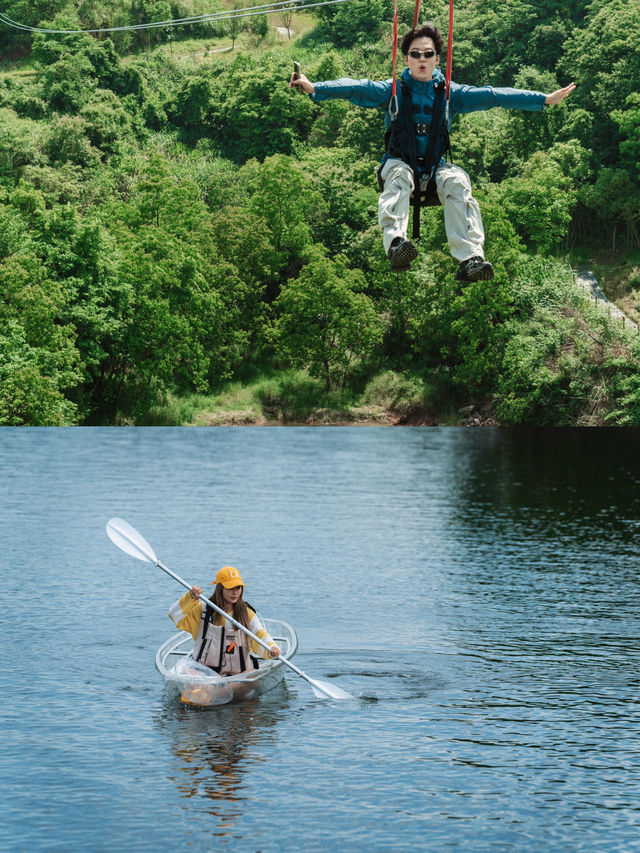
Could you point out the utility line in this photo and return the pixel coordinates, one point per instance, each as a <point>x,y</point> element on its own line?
<point>246,12</point>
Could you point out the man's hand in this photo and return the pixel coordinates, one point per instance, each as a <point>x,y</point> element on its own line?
<point>560,95</point>
<point>306,85</point>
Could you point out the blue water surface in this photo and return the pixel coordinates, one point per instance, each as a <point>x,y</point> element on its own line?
<point>477,591</point>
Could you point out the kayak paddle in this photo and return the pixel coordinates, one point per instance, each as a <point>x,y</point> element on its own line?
<point>131,542</point>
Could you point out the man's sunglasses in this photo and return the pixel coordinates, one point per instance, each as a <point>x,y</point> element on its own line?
<point>416,54</point>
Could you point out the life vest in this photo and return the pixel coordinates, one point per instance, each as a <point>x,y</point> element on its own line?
<point>225,650</point>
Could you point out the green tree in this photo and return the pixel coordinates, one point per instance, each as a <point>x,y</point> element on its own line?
<point>234,27</point>
<point>603,57</point>
<point>27,397</point>
<point>561,354</point>
<point>360,130</point>
<point>358,22</point>
<point>192,105</point>
<point>71,66</point>
<point>254,114</point>
<point>527,132</point>
<point>281,194</point>
<point>326,325</point>
<point>66,142</point>
<point>66,84</point>
<point>108,123</point>
<point>166,325</point>
<point>150,193</point>
<point>146,11</point>
<point>38,360</point>
<point>628,120</point>
<point>626,388</point>
<point>493,41</point>
<point>347,186</point>
<point>463,329</point>
<point>539,203</point>
<point>18,146</point>
<point>29,12</point>
<point>615,198</point>
<point>259,25</point>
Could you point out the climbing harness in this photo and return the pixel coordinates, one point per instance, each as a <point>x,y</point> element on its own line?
<point>424,193</point>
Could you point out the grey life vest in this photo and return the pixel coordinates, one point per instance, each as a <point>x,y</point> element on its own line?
<point>225,650</point>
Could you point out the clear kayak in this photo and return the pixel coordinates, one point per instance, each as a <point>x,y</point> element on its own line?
<point>196,684</point>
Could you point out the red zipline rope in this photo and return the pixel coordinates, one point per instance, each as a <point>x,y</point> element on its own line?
<point>393,103</point>
<point>449,54</point>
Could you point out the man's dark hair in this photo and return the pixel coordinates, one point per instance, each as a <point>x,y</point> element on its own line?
<point>428,30</point>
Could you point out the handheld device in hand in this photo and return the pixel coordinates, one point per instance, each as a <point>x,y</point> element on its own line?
<point>296,76</point>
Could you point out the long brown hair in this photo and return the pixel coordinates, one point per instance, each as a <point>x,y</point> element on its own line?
<point>240,611</point>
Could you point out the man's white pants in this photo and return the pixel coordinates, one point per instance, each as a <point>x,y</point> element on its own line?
<point>462,219</point>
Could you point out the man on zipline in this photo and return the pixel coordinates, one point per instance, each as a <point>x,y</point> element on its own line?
<point>414,149</point>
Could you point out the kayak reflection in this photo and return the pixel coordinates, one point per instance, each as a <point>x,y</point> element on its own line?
<point>215,763</point>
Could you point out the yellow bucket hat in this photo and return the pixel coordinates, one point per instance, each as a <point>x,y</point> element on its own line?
<point>228,577</point>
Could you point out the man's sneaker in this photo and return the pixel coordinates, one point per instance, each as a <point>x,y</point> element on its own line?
<point>474,269</point>
<point>401,253</point>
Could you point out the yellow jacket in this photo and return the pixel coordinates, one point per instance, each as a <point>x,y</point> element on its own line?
<point>187,614</point>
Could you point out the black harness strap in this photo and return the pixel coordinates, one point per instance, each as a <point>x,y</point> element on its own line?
<point>417,195</point>
<point>253,660</point>
<point>428,196</point>
<point>208,620</point>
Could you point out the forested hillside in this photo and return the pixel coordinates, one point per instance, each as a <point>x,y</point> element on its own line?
<point>179,229</point>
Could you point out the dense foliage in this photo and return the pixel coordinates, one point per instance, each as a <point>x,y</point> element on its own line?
<point>171,223</point>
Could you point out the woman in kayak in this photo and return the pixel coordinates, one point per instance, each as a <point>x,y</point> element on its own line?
<point>218,643</point>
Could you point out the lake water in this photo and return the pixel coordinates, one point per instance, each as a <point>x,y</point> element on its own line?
<point>478,591</point>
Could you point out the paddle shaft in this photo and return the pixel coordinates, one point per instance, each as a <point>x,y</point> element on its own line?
<point>236,623</point>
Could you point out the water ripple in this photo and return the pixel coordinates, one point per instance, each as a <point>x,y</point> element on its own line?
<point>477,591</point>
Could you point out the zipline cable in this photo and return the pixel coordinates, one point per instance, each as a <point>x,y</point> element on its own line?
<point>248,11</point>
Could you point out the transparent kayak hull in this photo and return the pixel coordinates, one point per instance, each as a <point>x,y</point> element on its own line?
<point>197,685</point>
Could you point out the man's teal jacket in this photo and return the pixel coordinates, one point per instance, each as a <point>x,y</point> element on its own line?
<point>464,99</point>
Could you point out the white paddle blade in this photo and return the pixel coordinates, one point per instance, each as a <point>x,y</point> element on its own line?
<point>130,541</point>
<point>323,690</point>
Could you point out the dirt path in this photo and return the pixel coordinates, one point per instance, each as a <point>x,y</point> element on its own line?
<point>585,278</point>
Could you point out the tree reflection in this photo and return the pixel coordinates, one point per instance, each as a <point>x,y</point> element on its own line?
<point>217,750</point>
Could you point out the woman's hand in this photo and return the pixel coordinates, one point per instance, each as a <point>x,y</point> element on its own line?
<point>274,652</point>
<point>302,82</point>
<point>560,95</point>
<point>195,592</point>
